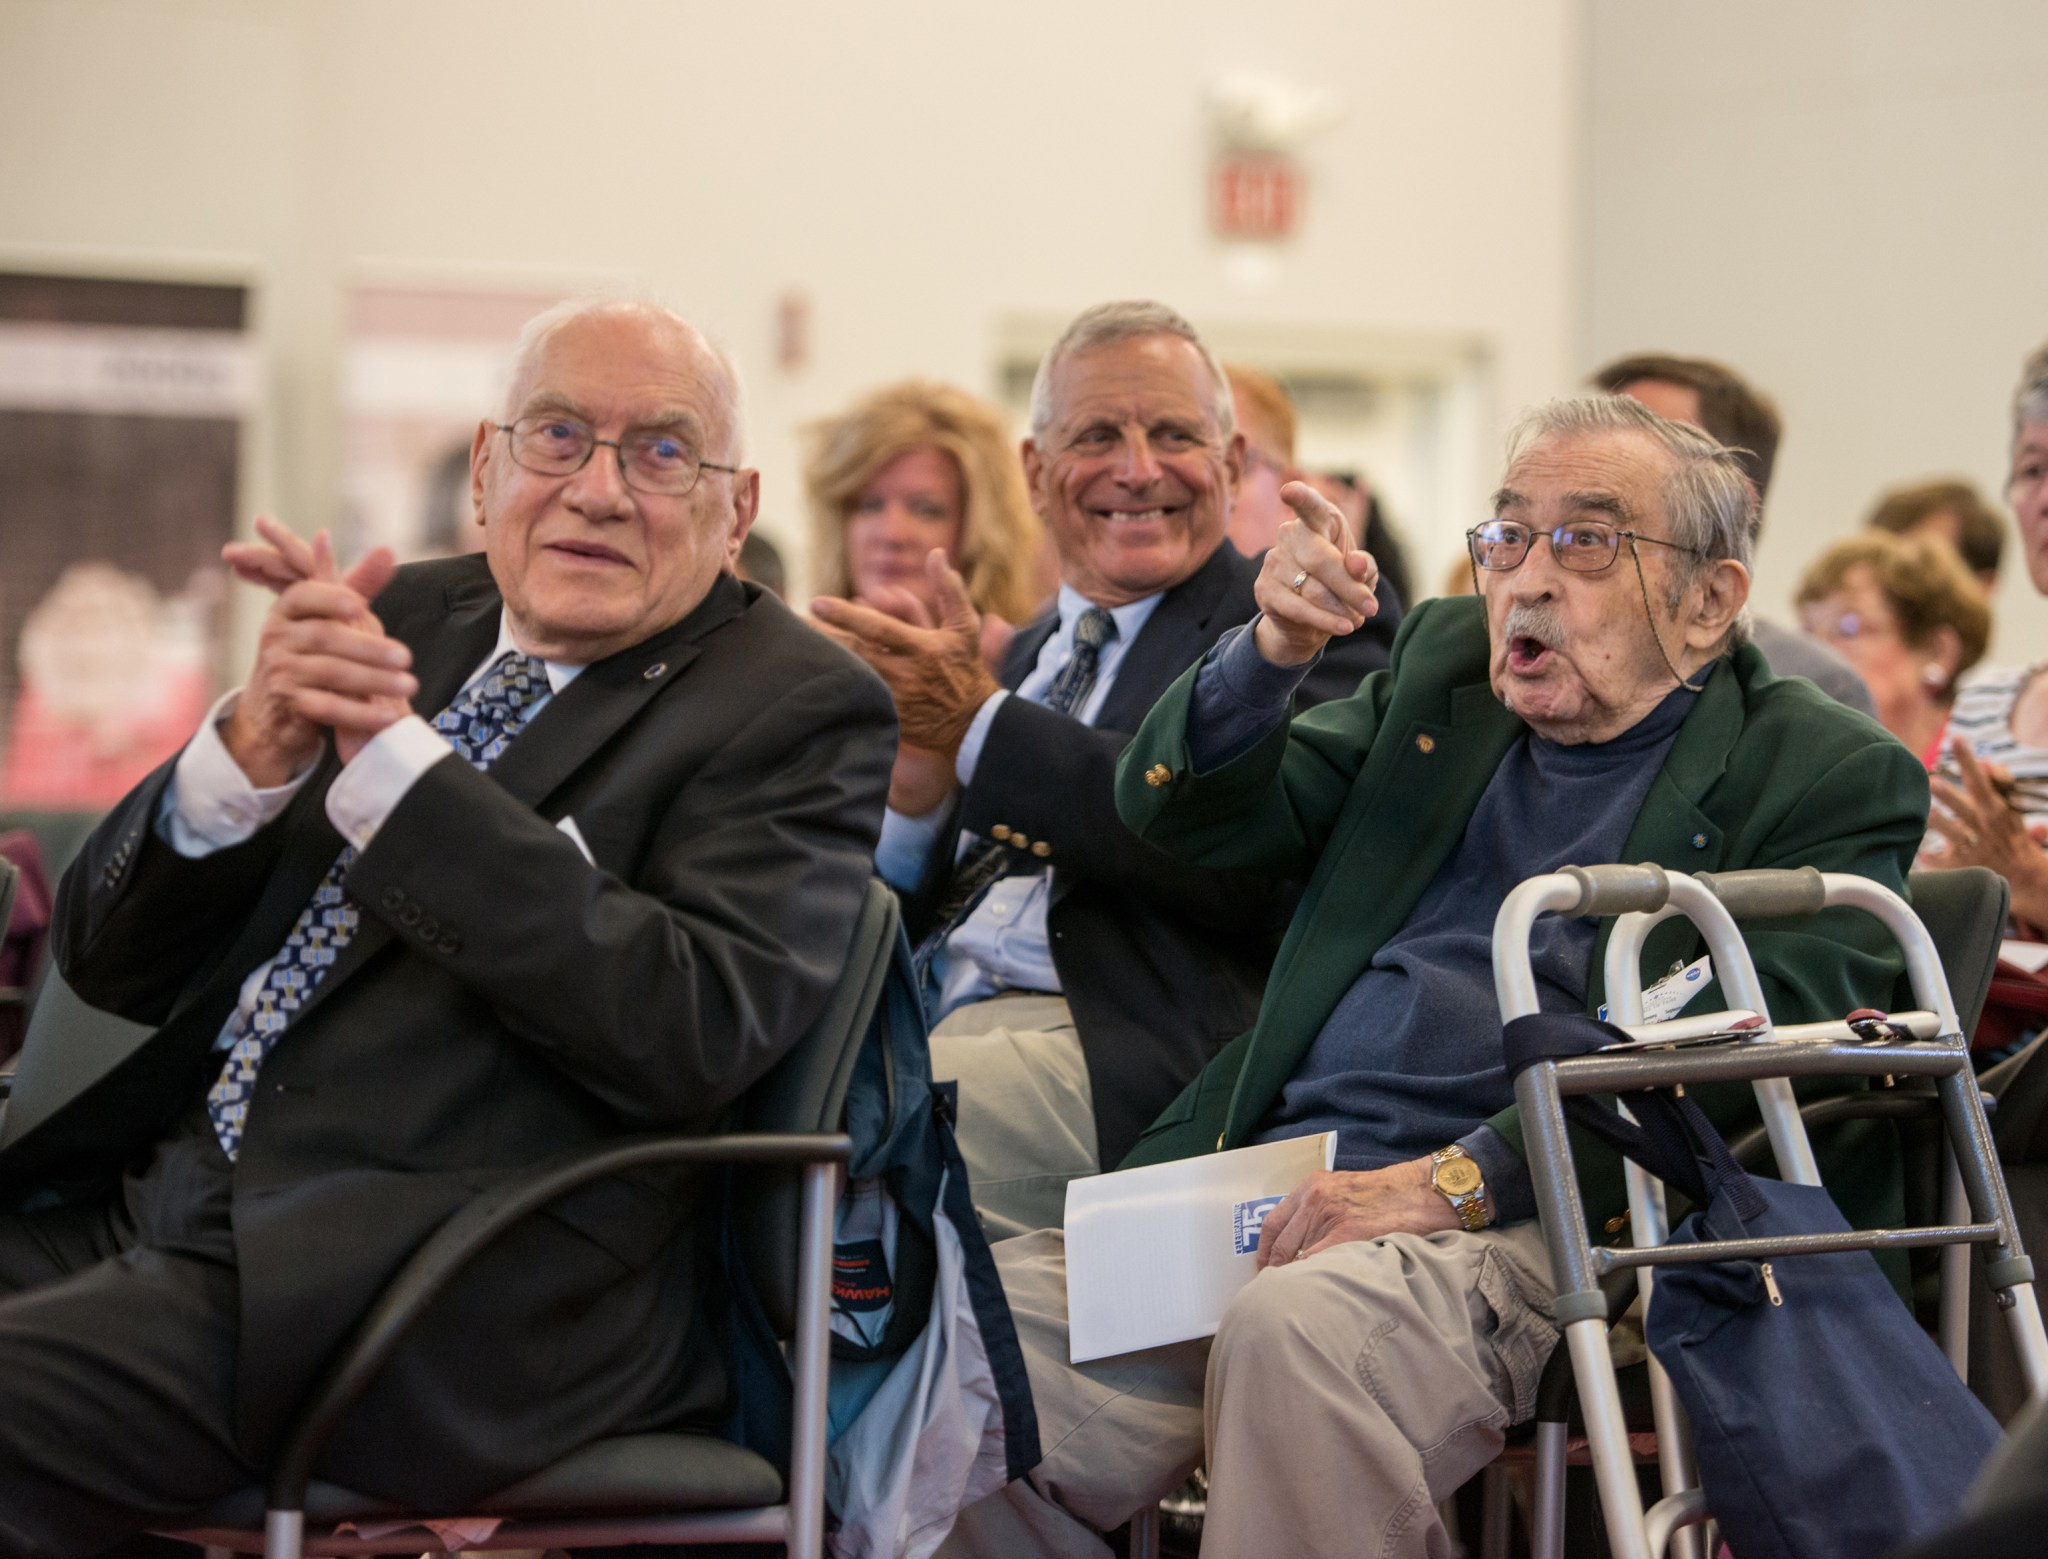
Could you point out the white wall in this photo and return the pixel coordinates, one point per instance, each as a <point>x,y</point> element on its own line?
<point>921,170</point>
<point>1842,198</point>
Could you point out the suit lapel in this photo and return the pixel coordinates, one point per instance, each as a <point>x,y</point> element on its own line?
<point>1173,638</point>
<point>446,651</point>
<point>1410,811</point>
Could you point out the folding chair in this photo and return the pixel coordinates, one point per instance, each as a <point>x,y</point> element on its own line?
<point>1978,1211</point>
<point>650,1488</point>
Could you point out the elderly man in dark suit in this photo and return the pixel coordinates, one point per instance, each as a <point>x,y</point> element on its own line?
<point>1081,978</point>
<point>599,883</point>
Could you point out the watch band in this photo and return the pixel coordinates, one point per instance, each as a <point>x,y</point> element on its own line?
<point>1468,1201</point>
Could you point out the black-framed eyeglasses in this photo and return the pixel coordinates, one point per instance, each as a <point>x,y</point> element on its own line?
<point>1584,546</point>
<point>661,464</point>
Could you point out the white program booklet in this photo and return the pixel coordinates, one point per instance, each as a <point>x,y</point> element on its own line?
<point>1155,1255</point>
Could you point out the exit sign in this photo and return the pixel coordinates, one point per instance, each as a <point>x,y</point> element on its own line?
<point>1254,195</point>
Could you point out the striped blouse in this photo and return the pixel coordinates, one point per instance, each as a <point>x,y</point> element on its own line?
<point>1982,715</point>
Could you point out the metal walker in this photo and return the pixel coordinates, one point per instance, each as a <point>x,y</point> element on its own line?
<point>1976,1209</point>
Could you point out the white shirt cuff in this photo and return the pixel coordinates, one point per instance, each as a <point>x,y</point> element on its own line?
<point>977,733</point>
<point>210,804</point>
<point>378,777</point>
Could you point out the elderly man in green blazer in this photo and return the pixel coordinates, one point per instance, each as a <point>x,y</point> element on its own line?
<point>1596,702</point>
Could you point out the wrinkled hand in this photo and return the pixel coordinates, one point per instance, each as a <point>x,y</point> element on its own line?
<point>1331,1207</point>
<point>921,782</point>
<point>323,660</point>
<point>1335,598</point>
<point>936,672</point>
<point>1981,828</point>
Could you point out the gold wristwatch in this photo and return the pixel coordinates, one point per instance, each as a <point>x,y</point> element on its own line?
<point>1455,1175</point>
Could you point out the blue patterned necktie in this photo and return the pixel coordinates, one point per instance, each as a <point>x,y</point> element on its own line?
<point>978,869</point>
<point>479,725</point>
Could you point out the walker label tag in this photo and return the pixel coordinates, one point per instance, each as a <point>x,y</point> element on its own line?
<point>1667,998</point>
<point>1248,1218</point>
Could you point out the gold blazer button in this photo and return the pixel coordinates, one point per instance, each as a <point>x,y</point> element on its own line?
<point>1000,831</point>
<point>1159,774</point>
<point>1040,848</point>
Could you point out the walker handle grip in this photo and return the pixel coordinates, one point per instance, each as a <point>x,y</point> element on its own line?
<point>1768,895</point>
<point>1616,890</point>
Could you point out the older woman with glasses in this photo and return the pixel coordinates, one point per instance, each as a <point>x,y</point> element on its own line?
<point>1907,614</point>
<point>1991,789</point>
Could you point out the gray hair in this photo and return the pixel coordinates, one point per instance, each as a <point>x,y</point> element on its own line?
<point>1112,322</point>
<point>1709,502</point>
<point>2030,400</point>
<point>540,329</point>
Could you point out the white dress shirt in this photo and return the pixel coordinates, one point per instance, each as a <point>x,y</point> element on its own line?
<point>1004,944</point>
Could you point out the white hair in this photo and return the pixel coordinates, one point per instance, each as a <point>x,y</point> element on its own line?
<point>1709,502</point>
<point>1110,322</point>
<point>540,329</point>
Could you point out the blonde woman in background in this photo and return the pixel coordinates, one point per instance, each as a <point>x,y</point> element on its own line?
<point>1909,616</point>
<point>906,470</point>
<point>917,466</point>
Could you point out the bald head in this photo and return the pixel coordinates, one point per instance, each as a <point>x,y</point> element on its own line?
<point>666,329</point>
<point>594,542</point>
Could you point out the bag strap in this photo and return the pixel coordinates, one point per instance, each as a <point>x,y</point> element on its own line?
<point>1670,1136</point>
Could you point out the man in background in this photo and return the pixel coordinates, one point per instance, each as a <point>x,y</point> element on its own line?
<point>1952,511</point>
<point>1712,396</point>
<point>1078,978</point>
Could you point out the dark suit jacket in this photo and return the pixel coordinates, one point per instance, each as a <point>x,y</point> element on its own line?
<point>504,1001</point>
<point>1373,794</point>
<point>1160,961</point>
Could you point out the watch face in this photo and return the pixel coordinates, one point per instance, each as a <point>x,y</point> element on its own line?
<point>1457,1176</point>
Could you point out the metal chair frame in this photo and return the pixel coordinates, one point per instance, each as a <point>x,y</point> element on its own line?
<point>798,1520</point>
<point>1977,1210</point>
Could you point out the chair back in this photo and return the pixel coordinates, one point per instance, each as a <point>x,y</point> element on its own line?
<point>1964,911</point>
<point>10,874</point>
<point>806,1091</point>
<point>69,1047</point>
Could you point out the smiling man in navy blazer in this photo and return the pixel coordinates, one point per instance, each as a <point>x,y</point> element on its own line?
<point>1081,977</point>
<point>382,979</point>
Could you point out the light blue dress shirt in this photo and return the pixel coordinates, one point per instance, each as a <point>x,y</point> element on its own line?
<point>1004,944</point>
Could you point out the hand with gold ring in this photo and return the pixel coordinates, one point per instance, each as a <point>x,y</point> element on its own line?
<point>1314,586</point>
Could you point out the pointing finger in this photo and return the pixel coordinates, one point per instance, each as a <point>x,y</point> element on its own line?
<point>1317,513</point>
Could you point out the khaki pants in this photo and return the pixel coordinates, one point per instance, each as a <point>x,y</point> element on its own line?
<point>1027,1115</point>
<point>1344,1396</point>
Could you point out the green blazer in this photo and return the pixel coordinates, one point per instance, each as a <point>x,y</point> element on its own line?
<point>1367,797</point>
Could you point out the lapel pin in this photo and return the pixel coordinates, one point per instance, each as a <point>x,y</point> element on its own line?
<point>1699,841</point>
<point>1425,744</point>
<point>654,671</point>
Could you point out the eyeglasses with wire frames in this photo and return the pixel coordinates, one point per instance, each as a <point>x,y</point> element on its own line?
<point>652,461</point>
<point>1584,546</point>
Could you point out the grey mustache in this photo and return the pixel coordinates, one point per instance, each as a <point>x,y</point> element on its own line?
<point>1534,620</point>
